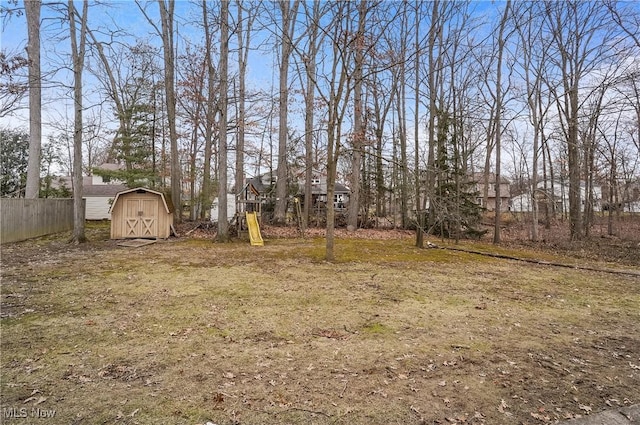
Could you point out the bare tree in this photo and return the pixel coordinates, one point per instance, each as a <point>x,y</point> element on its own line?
<point>288,13</point>
<point>78,47</point>
<point>210,112</point>
<point>580,40</point>
<point>223,221</point>
<point>166,32</point>
<point>243,33</point>
<point>434,63</point>
<point>192,70</point>
<point>400,69</point>
<point>416,129</point>
<point>498,118</point>
<point>338,87</point>
<point>358,138</point>
<point>12,87</point>
<point>309,59</point>
<point>166,19</point>
<point>627,18</point>
<point>32,11</point>
<point>532,61</point>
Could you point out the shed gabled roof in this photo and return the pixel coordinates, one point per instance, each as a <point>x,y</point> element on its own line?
<point>139,190</point>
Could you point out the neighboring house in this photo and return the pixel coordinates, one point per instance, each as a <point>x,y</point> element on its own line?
<point>632,206</point>
<point>521,203</point>
<point>319,192</point>
<point>97,192</point>
<point>557,193</point>
<point>98,200</point>
<point>261,188</point>
<point>478,179</point>
<point>628,198</point>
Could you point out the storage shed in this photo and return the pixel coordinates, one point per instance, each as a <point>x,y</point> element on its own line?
<point>141,213</point>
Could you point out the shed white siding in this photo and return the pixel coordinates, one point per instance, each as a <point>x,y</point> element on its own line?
<point>231,208</point>
<point>97,207</point>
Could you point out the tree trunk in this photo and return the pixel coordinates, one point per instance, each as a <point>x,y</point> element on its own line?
<point>309,96</point>
<point>287,24</point>
<point>498,124</point>
<point>210,116</point>
<point>435,32</point>
<point>336,103</point>
<point>575,213</point>
<point>223,220</point>
<point>32,12</point>
<point>358,127</point>
<point>416,126</point>
<point>166,17</point>
<point>244,38</point>
<point>78,53</point>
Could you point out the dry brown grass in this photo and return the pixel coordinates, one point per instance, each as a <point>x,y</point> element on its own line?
<point>188,331</point>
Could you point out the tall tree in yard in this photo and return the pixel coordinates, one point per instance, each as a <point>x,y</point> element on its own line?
<point>288,13</point>
<point>434,71</point>
<point>191,100</point>
<point>532,61</point>
<point>128,76</point>
<point>381,86</point>
<point>333,87</point>
<point>400,70</point>
<point>581,42</point>
<point>210,113</point>
<point>223,222</point>
<point>358,137</point>
<point>166,18</point>
<point>498,117</point>
<point>246,13</point>
<point>166,32</point>
<point>416,128</point>
<point>78,47</point>
<point>313,19</point>
<point>32,12</point>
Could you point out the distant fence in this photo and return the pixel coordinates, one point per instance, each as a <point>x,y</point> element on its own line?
<point>29,218</point>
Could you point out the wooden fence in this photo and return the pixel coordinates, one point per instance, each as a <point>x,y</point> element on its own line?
<point>29,218</point>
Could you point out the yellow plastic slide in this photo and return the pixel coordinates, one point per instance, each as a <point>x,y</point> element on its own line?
<point>254,229</point>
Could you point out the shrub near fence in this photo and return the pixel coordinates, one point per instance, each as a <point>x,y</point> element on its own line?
<point>29,218</point>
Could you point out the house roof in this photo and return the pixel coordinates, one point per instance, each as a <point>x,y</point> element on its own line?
<point>337,188</point>
<point>103,190</point>
<point>110,166</point>
<point>168,207</point>
<point>256,186</point>
<point>58,182</point>
<point>479,178</point>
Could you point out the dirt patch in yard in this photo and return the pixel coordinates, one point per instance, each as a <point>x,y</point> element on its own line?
<point>187,331</point>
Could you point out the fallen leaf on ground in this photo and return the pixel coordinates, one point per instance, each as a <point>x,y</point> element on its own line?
<point>586,408</point>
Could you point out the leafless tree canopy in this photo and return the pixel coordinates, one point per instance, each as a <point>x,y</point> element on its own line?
<point>421,109</point>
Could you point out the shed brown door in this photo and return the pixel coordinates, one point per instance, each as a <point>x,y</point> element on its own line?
<point>140,219</point>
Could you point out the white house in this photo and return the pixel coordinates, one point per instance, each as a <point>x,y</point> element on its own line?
<point>559,193</point>
<point>98,200</point>
<point>231,208</point>
<point>520,203</point>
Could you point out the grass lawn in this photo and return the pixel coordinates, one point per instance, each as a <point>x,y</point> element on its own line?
<point>188,331</point>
